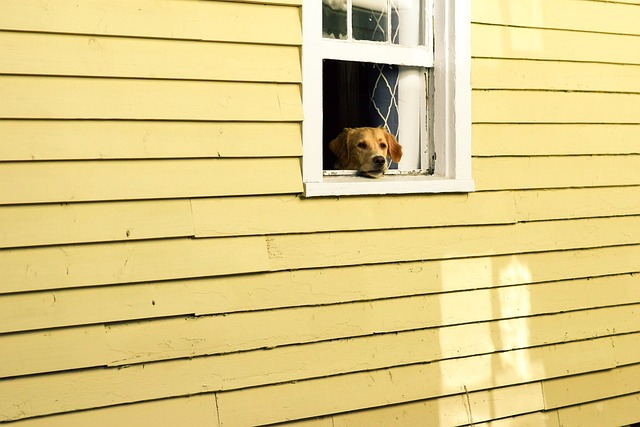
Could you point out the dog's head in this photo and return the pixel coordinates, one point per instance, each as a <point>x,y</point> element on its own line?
<point>365,150</point>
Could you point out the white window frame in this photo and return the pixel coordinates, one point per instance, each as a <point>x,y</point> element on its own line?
<point>450,126</point>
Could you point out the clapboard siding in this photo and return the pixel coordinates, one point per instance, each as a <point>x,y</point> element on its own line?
<point>201,411</point>
<point>285,367</point>
<point>494,41</point>
<point>509,106</point>
<point>159,266</point>
<point>490,73</point>
<point>128,99</point>
<point>190,20</point>
<point>401,384</point>
<point>67,181</point>
<point>65,223</point>
<point>591,387</point>
<point>525,139</point>
<point>617,412</point>
<point>302,251</point>
<point>122,262</point>
<point>91,140</point>
<point>191,337</point>
<point>518,173</point>
<point>82,306</point>
<point>460,409</point>
<point>71,55</point>
<point>288,214</point>
<point>566,15</point>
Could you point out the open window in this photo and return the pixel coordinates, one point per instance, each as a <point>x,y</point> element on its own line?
<point>398,64</point>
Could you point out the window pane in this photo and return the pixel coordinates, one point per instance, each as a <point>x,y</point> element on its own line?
<point>411,22</point>
<point>396,21</point>
<point>334,19</point>
<point>371,21</point>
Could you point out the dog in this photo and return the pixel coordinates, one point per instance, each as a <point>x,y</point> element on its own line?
<point>366,150</point>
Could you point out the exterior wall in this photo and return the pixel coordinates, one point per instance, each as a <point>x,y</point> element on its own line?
<point>158,266</point>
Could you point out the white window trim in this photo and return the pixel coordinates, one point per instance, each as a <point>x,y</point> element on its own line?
<point>451,126</point>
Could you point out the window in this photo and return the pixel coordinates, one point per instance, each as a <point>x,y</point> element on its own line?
<point>400,64</point>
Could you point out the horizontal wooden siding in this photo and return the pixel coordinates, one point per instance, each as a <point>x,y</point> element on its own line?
<point>158,266</point>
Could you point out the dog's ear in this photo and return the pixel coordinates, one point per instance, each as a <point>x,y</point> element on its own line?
<point>340,148</point>
<point>395,149</point>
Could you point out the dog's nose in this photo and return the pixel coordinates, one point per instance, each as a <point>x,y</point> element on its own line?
<point>379,161</point>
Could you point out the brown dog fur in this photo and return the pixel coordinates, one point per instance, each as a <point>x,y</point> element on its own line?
<point>366,150</point>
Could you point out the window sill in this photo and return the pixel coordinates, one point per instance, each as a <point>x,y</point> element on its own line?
<point>388,184</point>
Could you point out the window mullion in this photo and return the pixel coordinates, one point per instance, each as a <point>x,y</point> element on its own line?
<point>349,19</point>
<point>389,24</point>
<point>373,51</point>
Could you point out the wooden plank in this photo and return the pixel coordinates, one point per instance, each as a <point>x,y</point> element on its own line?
<point>576,203</point>
<point>461,409</point>
<point>626,348</point>
<point>62,349</point>
<point>284,2</point>
<point>165,339</point>
<point>26,397</point>
<point>58,308</point>
<point>194,20</point>
<point>537,419</point>
<point>590,387</point>
<point>285,214</point>
<point>313,422</point>
<point>554,139</point>
<point>339,393</point>
<point>45,182</point>
<point>490,73</point>
<point>99,98</point>
<point>332,249</point>
<point>491,41</point>
<point>508,106</point>
<point>562,15</point>
<point>179,338</point>
<point>520,173</point>
<point>89,140</point>
<point>290,214</point>
<point>619,411</point>
<point>96,264</point>
<point>70,55</point>
<point>50,224</point>
<point>193,411</point>
<point>92,264</point>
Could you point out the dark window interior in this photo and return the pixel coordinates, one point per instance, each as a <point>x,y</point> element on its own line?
<point>355,95</point>
<point>345,102</point>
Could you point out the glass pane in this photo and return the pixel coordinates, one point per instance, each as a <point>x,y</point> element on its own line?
<point>371,20</point>
<point>410,21</point>
<point>334,19</point>
<point>395,21</point>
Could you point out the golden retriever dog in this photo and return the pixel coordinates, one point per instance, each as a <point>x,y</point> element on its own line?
<point>366,150</point>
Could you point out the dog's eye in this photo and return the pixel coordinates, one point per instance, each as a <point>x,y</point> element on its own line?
<point>362,145</point>
<point>383,145</point>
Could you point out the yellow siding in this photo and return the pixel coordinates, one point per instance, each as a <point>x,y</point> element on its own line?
<point>165,413</point>
<point>84,55</point>
<point>81,306</point>
<point>148,99</point>
<point>554,139</point>
<point>87,140</point>
<point>159,267</point>
<point>164,19</point>
<point>46,182</point>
